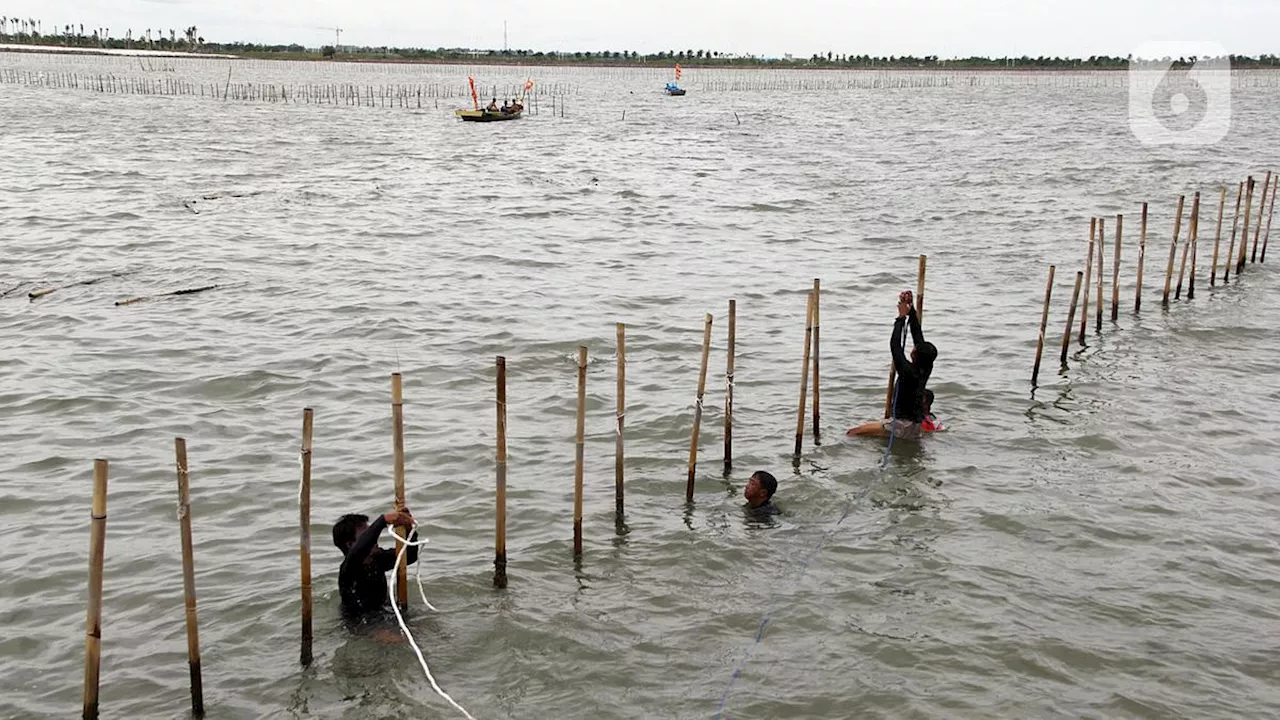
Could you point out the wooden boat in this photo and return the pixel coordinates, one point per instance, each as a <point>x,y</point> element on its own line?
<point>488,115</point>
<point>672,89</point>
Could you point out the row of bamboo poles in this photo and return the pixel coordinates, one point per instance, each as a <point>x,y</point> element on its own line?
<point>1248,250</point>
<point>399,95</point>
<point>93,631</point>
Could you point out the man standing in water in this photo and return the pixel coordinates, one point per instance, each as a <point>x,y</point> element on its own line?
<point>362,579</point>
<point>908,402</point>
<point>759,494</point>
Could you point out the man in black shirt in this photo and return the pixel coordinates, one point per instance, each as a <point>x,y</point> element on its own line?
<point>759,494</point>
<point>362,579</point>
<point>908,402</point>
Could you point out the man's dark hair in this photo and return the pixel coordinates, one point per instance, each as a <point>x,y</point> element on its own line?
<point>344,531</point>
<point>768,482</point>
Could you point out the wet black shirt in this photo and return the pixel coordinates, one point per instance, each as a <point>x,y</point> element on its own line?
<point>909,402</point>
<point>363,585</point>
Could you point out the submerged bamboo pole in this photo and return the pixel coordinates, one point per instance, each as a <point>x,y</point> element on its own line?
<point>93,616</point>
<point>1275,187</point>
<point>1231,246</point>
<point>817,301</point>
<point>579,451</point>
<point>189,576</point>
<point>500,529</point>
<point>1088,274</point>
<point>1115,271</point>
<point>1102,241</point>
<point>397,431</point>
<point>697,412</point>
<point>728,388</point>
<point>1071,317</point>
<point>1173,252</point>
<point>304,540</point>
<point>1244,235</point>
<point>804,376</point>
<point>1262,207</point>
<point>1217,235</point>
<point>618,465</point>
<point>1142,258</point>
<point>1044,322</point>
<point>1192,226</point>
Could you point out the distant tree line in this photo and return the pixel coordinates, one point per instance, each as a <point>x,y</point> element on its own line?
<point>32,31</point>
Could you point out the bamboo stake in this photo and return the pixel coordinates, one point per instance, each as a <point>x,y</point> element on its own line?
<point>804,376</point>
<point>817,301</point>
<point>697,413</point>
<point>1275,187</point>
<point>189,576</point>
<point>1102,237</point>
<point>1217,236</point>
<point>304,540</point>
<point>1142,257</point>
<point>1071,317</point>
<point>1186,246</point>
<point>1044,322</point>
<point>1088,273</point>
<point>188,291</point>
<point>1173,252</point>
<point>920,288</point>
<point>622,413</point>
<point>500,531</point>
<point>1195,248</point>
<point>1115,271</point>
<point>579,452</point>
<point>1244,235</point>
<point>1262,206</point>
<point>728,388</point>
<point>397,439</point>
<point>93,619</point>
<point>1235,225</point>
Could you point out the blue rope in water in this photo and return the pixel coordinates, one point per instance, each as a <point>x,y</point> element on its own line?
<point>804,564</point>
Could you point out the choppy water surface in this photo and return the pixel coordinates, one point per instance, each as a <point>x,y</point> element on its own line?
<point>1104,548</point>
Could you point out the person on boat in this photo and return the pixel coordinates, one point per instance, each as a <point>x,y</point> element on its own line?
<point>362,580</point>
<point>759,494</point>
<point>493,105</point>
<point>908,410</point>
<point>506,105</point>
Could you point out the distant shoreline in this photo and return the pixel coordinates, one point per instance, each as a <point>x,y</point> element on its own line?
<point>690,64</point>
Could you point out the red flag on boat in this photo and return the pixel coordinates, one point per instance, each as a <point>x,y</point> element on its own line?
<point>474,100</point>
<point>528,85</point>
<point>677,71</point>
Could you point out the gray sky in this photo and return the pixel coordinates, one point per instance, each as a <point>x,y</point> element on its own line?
<point>945,28</point>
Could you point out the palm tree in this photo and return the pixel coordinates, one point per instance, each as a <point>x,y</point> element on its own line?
<point>81,29</point>
<point>173,37</point>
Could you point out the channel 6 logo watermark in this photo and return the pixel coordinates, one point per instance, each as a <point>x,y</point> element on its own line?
<point>1179,93</point>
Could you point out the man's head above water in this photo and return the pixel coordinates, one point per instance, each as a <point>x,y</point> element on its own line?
<point>760,488</point>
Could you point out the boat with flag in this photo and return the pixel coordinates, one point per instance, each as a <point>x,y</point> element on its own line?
<point>672,87</point>
<point>493,113</point>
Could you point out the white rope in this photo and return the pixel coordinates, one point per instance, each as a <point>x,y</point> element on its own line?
<point>409,636</point>
<point>418,569</point>
<point>617,427</point>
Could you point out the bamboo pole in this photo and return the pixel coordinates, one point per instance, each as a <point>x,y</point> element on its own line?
<point>1088,274</point>
<point>804,376</point>
<point>1173,252</point>
<point>1244,235</point>
<point>1195,249</point>
<point>1192,226</point>
<point>1235,225</point>
<point>500,531</point>
<point>397,431</point>
<point>93,619</point>
<point>304,540</point>
<point>1142,258</point>
<point>1102,239</point>
<point>920,288</point>
<point>622,413</point>
<point>728,388</point>
<point>697,413</point>
<point>1044,322</point>
<point>1217,235</point>
<point>579,451</point>
<point>189,576</point>
<point>1275,187</point>
<point>1262,207</point>
<point>1071,317</point>
<point>1115,271</point>
<point>817,302</point>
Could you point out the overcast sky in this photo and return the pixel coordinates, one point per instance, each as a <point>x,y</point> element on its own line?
<point>947,28</point>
